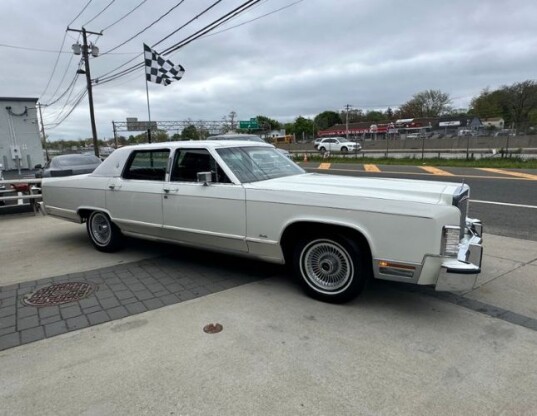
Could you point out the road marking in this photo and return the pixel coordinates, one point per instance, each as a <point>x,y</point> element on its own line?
<point>508,172</point>
<point>503,203</point>
<point>435,171</point>
<point>371,168</point>
<point>324,166</point>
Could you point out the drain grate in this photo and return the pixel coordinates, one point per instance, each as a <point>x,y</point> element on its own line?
<point>59,293</point>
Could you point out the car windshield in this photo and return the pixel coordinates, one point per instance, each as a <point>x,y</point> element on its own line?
<point>76,160</point>
<point>253,164</point>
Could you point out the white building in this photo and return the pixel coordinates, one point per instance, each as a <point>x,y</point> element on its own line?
<point>20,144</point>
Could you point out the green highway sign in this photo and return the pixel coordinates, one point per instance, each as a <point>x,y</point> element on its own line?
<point>248,124</point>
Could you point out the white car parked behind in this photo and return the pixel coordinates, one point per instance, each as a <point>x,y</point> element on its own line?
<point>338,144</point>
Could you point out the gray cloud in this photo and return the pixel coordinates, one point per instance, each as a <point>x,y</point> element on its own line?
<point>314,56</point>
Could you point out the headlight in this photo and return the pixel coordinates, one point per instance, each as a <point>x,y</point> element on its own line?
<point>450,240</point>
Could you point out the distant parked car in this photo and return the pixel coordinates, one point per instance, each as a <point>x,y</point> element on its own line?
<point>338,144</point>
<point>67,165</point>
<point>248,138</point>
<point>316,142</point>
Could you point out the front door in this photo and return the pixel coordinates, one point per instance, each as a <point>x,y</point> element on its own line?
<point>212,215</point>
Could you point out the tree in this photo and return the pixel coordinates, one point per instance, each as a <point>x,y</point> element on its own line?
<point>428,103</point>
<point>266,123</point>
<point>303,127</point>
<point>326,119</point>
<point>190,133</point>
<point>355,115</point>
<point>375,116</point>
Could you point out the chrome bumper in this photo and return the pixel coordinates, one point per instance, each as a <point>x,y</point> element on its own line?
<point>460,274</point>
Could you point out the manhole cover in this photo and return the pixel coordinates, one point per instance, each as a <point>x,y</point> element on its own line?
<point>213,328</point>
<point>59,293</point>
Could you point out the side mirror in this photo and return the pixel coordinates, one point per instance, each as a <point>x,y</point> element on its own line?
<point>38,166</point>
<point>205,177</point>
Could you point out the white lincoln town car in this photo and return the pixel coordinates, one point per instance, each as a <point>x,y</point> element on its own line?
<point>246,198</point>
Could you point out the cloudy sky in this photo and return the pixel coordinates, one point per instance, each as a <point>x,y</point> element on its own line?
<point>313,56</point>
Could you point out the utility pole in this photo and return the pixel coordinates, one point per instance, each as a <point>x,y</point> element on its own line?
<point>43,132</point>
<point>85,54</point>
<point>115,134</point>
<point>347,108</point>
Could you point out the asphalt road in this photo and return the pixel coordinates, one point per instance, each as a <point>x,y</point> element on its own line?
<point>506,204</point>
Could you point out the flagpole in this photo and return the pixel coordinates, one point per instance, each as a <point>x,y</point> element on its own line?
<point>148,111</point>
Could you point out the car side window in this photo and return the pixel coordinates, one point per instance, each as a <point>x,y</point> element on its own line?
<point>188,163</point>
<point>147,165</point>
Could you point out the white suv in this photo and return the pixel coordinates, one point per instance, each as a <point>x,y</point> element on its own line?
<point>338,144</point>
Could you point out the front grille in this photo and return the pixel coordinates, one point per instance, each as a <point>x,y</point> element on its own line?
<point>461,199</point>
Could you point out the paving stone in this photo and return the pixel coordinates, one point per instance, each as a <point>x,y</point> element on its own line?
<point>92,309</point>
<point>45,312</point>
<point>7,321</point>
<point>5,294</point>
<point>8,301</point>
<point>98,317</point>
<point>137,287</point>
<point>514,318</point>
<point>9,341</point>
<point>118,287</point>
<point>137,307</point>
<point>153,304</point>
<point>200,291</point>
<point>144,295</point>
<point>161,293</point>
<point>50,319</point>
<point>33,334</point>
<point>118,312</point>
<point>28,322</point>
<point>109,303</point>
<point>129,300</point>
<point>7,311</point>
<point>77,323</point>
<point>170,299</point>
<point>531,324</point>
<point>186,295</point>
<point>55,328</point>
<point>88,302</point>
<point>27,311</point>
<point>124,294</point>
<point>71,312</point>
<point>8,330</point>
<point>104,294</point>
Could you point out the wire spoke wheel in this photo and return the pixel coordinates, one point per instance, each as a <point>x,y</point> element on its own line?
<point>101,230</point>
<point>327,266</point>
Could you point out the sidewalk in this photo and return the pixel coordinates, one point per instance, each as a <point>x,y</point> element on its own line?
<point>389,352</point>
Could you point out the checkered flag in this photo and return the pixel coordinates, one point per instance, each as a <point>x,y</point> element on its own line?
<point>160,70</point>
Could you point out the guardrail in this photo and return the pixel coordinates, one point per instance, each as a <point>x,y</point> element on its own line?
<point>29,195</point>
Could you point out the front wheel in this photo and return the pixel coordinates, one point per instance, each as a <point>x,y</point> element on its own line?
<point>103,233</point>
<point>322,150</point>
<point>331,268</point>
<point>344,149</point>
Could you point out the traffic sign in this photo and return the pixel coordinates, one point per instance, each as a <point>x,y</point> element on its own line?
<point>248,124</point>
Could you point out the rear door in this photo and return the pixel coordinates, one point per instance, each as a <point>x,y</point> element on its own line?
<point>134,200</point>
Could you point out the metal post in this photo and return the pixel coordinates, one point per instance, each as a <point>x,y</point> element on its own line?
<point>115,133</point>
<point>148,112</point>
<point>468,148</point>
<point>90,92</point>
<point>43,132</point>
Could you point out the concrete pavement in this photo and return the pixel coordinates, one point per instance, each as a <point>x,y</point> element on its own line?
<point>389,352</point>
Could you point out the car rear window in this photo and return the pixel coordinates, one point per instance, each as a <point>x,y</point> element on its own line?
<point>76,160</point>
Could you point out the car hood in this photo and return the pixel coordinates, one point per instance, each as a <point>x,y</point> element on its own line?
<point>428,192</point>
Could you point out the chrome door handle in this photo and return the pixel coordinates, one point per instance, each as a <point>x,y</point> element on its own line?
<point>168,190</point>
<point>112,187</point>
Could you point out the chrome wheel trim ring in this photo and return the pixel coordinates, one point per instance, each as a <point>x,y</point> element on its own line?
<point>326,266</point>
<point>101,229</point>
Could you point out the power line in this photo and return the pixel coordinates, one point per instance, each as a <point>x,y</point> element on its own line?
<point>98,14</point>
<point>211,26</point>
<point>144,29</point>
<point>175,31</point>
<point>124,16</point>
<point>55,65</point>
<point>81,11</point>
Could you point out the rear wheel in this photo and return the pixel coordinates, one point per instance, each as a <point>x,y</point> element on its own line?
<point>331,268</point>
<point>103,233</point>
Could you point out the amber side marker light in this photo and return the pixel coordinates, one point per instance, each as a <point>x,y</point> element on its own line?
<point>396,269</point>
